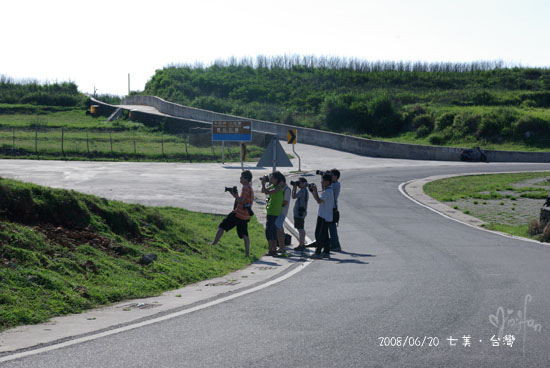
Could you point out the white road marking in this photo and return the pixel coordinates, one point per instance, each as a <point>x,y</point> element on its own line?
<point>80,340</point>
<point>402,185</point>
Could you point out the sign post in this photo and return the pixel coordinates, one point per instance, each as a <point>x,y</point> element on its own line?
<point>292,138</point>
<point>243,154</point>
<point>231,131</point>
<point>274,142</point>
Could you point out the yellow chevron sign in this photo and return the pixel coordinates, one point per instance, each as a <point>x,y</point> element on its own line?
<point>292,136</point>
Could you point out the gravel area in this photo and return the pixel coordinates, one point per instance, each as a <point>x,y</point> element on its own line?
<point>507,211</point>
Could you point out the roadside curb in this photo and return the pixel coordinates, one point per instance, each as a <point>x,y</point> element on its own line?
<point>414,191</point>
<point>74,329</point>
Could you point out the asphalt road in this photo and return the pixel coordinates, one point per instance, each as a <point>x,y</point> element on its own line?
<point>406,271</point>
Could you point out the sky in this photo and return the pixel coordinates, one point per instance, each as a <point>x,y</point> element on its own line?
<point>97,43</point>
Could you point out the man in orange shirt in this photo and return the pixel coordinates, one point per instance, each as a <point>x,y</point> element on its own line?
<point>241,213</point>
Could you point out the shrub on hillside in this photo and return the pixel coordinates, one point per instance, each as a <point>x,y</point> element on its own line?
<point>540,99</point>
<point>443,121</point>
<point>424,120</point>
<point>527,126</point>
<point>437,139</point>
<point>411,113</point>
<point>484,98</point>
<point>465,124</point>
<point>497,124</point>
<point>359,113</point>
<point>422,131</point>
<point>384,119</point>
<point>45,98</point>
<point>212,103</point>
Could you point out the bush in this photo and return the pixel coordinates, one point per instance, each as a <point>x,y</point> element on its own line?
<point>528,104</point>
<point>385,121</point>
<point>358,113</point>
<point>437,139</point>
<point>484,98</point>
<point>422,131</point>
<point>425,120</point>
<point>498,123</point>
<point>530,125</point>
<point>445,120</point>
<point>212,103</point>
<point>464,124</point>
<point>337,112</point>
<point>411,113</point>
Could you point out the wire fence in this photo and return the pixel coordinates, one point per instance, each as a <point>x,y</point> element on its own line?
<point>64,142</point>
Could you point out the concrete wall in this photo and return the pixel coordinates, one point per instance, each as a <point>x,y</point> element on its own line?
<point>175,124</point>
<point>361,146</point>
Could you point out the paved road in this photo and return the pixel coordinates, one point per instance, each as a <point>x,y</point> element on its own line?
<point>406,272</point>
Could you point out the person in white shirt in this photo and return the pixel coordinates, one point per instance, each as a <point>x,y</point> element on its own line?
<point>324,216</point>
<point>332,228</point>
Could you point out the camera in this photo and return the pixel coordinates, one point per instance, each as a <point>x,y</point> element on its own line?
<point>311,186</point>
<point>266,178</point>
<point>248,207</point>
<point>319,172</point>
<point>295,183</point>
<point>231,189</point>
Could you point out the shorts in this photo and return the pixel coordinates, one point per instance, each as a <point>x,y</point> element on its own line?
<point>280,221</point>
<point>270,228</point>
<point>231,221</point>
<point>299,223</point>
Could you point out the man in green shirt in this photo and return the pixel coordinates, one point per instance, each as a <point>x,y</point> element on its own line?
<point>274,205</point>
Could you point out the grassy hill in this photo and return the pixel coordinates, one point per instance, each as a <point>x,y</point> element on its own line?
<point>48,121</point>
<point>63,252</point>
<point>480,103</point>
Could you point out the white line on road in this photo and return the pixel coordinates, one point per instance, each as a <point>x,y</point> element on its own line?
<point>401,189</point>
<point>80,340</point>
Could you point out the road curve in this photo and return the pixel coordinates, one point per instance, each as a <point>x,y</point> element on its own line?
<point>405,272</point>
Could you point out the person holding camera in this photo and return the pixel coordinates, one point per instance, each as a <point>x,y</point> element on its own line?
<point>332,227</point>
<point>280,222</point>
<point>242,211</point>
<point>300,209</point>
<point>324,217</point>
<point>274,206</point>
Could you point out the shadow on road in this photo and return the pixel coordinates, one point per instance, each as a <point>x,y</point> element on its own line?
<point>355,254</point>
<point>346,261</point>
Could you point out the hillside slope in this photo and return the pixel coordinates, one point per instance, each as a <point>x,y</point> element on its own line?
<point>63,252</point>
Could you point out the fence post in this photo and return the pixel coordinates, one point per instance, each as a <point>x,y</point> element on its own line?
<point>87,144</point>
<point>36,140</point>
<point>13,140</point>
<point>111,140</point>
<point>186,151</point>
<point>62,140</point>
<point>134,133</point>
<point>162,144</point>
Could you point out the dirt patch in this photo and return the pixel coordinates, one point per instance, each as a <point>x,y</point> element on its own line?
<point>72,238</point>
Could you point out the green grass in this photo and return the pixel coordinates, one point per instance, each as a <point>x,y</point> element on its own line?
<point>410,138</point>
<point>41,115</point>
<point>476,186</point>
<point>88,138</point>
<point>64,252</point>
<point>519,230</point>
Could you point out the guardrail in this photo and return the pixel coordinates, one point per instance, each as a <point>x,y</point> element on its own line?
<point>360,146</point>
